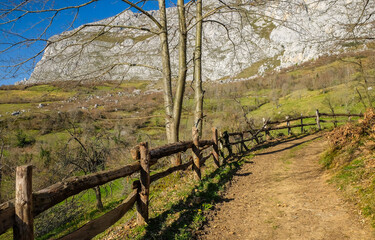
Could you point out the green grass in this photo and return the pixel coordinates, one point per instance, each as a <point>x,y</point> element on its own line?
<point>306,102</point>
<point>136,84</point>
<point>358,184</point>
<point>86,210</point>
<point>350,174</point>
<point>44,88</point>
<point>9,108</point>
<point>53,137</point>
<point>252,70</point>
<point>188,202</point>
<point>351,166</point>
<point>172,218</point>
<point>327,158</point>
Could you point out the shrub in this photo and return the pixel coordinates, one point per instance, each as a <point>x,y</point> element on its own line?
<point>23,140</point>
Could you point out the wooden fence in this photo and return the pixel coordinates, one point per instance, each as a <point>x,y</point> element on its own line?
<point>20,213</point>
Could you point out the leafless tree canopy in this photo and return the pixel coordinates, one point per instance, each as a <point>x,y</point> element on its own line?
<point>26,27</point>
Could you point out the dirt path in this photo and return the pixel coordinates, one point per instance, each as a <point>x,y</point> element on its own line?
<point>284,194</point>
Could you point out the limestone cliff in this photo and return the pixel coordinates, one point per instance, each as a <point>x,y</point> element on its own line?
<point>270,35</point>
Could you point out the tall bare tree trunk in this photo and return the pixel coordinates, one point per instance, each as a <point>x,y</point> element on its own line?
<point>182,69</point>
<point>1,178</point>
<point>177,107</point>
<point>198,114</point>
<point>167,75</point>
<point>1,166</point>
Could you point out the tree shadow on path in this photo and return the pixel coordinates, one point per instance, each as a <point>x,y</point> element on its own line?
<point>289,147</point>
<point>189,211</point>
<point>204,197</point>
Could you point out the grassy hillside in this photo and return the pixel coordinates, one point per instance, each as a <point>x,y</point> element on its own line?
<point>39,123</point>
<point>351,160</point>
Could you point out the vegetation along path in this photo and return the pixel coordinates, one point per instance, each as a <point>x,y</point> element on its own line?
<point>283,194</point>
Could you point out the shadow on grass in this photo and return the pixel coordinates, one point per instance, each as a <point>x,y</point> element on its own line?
<point>190,209</point>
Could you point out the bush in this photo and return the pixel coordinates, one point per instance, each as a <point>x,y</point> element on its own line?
<point>23,140</point>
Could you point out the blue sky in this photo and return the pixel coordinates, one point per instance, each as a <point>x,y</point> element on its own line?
<point>32,25</point>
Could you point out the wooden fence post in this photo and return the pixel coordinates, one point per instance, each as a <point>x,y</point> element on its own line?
<point>227,145</point>
<point>196,153</point>
<point>222,147</point>
<point>318,119</point>
<point>288,125</point>
<point>136,155</point>
<point>144,190</point>
<point>177,159</point>
<point>23,228</point>
<point>243,145</point>
<point>301,124</point>
<point>215,150</point>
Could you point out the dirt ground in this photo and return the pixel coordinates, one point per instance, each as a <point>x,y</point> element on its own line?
<point>283,194</point>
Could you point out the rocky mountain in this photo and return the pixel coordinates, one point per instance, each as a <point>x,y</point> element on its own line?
<point>238,42</point>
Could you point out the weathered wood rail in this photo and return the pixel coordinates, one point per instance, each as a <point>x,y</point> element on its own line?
<point>19,213</point>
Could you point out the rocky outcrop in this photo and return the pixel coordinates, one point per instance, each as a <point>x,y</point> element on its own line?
<point>243,43</point>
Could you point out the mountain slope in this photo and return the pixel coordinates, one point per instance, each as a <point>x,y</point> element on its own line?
<point>269,35</point>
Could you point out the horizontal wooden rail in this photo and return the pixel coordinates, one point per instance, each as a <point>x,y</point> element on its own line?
<point>333,121</point>
<point>293,126</point>
<point>169,171</point>
<point>165,173</point>
<point>54,194</point>
<point>314,116</point>
<point>266,127</point>
<point>243,132</point>
<point>341,115</point>
<point>7,216</point>
<point>290,119</point>
<point>170,149</point>
<point>96,226</point>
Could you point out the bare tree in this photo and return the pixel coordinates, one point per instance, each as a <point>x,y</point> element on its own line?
<point>2,146</point>
<point>13,13</point>
<point>198,113</point>
<point>88,152</point>
<point>153,27</point>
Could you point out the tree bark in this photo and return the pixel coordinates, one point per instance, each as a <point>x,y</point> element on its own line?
<point>1,167</point>
<point>144,190</point>
<point>1,178</point>
<point>196,153</point>
<point>98,195</point>
<point>182,69</point>
<point>167,75</point>
<point>24,222</point>
<point>198,114</point>
<point>318,119</point>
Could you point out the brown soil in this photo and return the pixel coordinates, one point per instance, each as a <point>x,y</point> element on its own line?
<point>284,194</point>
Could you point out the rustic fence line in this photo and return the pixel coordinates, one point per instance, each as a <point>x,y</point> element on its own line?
<point>19,213</point>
